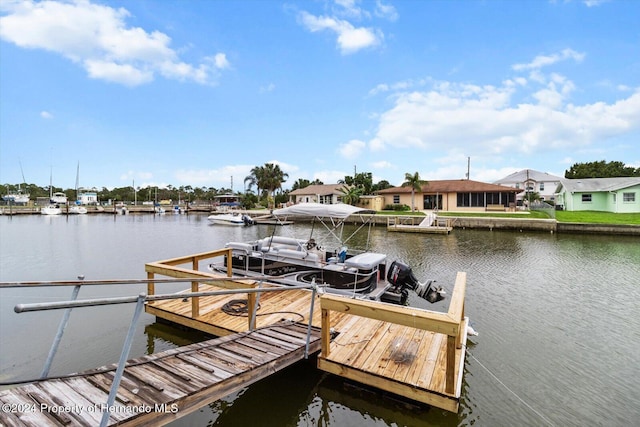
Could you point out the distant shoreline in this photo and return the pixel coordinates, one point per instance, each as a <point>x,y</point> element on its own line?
<point>458,222</point>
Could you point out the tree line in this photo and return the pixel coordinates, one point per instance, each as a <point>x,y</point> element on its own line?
<point>268,181</point>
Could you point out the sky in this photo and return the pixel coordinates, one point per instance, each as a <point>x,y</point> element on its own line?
<point>197,93</point>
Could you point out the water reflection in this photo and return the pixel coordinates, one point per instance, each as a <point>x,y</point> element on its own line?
<point>557,317</point>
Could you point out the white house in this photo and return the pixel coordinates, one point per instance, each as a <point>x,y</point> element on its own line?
<point>530,180</point>
<point>328,194</point>
<point>88,198</point>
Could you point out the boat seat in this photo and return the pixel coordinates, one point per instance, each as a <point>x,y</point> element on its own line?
<point>245,247</point>
<point>367,260</point>
<point>288,253</point>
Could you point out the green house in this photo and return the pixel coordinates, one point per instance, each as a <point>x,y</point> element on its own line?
<point>599,194</point>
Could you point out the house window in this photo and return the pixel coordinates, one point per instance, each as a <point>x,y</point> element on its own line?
<point>542,186</point>
<point>396,199</point>
<point>326,199</point>
<point>586,198</point>
<point>629,197</point>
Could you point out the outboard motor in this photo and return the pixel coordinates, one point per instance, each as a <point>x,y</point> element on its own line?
<point>401,277</point>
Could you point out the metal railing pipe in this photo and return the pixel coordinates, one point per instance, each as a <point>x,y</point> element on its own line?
<point>201,279</point>
<point>23,308</point>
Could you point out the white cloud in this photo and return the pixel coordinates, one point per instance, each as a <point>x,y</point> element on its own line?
<point>268,88</point>
<point>383,164</point>
<point>221,61</point>
<point>386,11</point>
<point>350,39</point>
<point>547,60</point>
<point>352,148</point>
<point>534,116</point>
<point>97,38</point>
<point>594,3</point>
<point>46,115</point>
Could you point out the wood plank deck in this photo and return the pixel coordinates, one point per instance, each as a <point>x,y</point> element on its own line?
<point>273,307</point>
<point>159,388</point>
<point>399,359</point>
<point>419,229</point>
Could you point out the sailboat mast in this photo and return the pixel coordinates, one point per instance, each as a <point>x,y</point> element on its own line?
<point>77,179</point>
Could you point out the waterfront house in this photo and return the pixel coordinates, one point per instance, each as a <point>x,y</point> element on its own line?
<point>88,198</point>
<point>454,195</point>
<point>599,194</point>
<point>328,194</point>
<point>531,180</point>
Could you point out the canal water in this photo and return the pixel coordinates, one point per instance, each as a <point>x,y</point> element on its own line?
<point>557,316</point>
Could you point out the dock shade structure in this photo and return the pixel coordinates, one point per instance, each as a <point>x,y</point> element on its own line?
<point>340,210</point>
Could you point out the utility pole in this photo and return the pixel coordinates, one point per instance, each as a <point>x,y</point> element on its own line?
<point>468,168</point>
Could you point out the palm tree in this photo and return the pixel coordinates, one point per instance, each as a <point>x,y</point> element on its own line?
<point>268,177</point>
<point>351,195</point>
<point>255,178</point>
<point>413,181</point>
<point>274,178</point>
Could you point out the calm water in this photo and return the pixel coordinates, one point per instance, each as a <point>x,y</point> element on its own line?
<point>559,339</point>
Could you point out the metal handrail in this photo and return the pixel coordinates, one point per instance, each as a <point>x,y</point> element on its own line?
<point>83,282</point>
<point>139,300</point>
<point>24,308</point>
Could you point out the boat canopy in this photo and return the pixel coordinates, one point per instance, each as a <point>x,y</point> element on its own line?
<point>320,210</point>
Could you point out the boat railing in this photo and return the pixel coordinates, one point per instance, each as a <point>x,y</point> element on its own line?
<point>452,323</point>
<point>140,301</point>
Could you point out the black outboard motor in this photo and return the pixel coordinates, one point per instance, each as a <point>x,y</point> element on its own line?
<point>401,278</point>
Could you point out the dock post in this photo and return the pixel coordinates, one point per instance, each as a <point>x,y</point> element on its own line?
<point>253,301</point>
<point>151,287</point>
<point>313,300</point>
<point>195,287</point>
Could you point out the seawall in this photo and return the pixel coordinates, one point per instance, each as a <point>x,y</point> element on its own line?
<point>522,224</point>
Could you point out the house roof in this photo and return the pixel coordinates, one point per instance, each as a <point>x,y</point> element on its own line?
<point>322,190</point>
<point>597,184</point>
<point>528,175</point>
<point>454,186</point>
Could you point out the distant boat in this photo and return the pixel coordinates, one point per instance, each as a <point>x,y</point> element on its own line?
<point>19,196</point>
<point>231,219</point>
<point>77,209</point>
<point>16,197</point>
<point>59,198</point>
<point>51,210</point>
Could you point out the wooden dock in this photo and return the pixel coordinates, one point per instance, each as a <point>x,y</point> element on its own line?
<point>159,388</point>
<point>415,353</point>
<point>419,225</point>
<point>411,352</point>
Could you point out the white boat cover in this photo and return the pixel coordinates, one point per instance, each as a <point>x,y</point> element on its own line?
<point>340,210</point>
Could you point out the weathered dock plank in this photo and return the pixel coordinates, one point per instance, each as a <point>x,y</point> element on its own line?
<point>159,388</point>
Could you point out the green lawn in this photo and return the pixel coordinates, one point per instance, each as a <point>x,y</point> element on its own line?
<point>598,217</point>
<point>561,216</point>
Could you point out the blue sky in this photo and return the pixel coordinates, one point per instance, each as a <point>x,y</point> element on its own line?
<point>197,92</point>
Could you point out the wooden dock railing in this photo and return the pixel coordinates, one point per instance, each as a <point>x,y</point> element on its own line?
<point>170,268</point>
<point>449,323</point>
